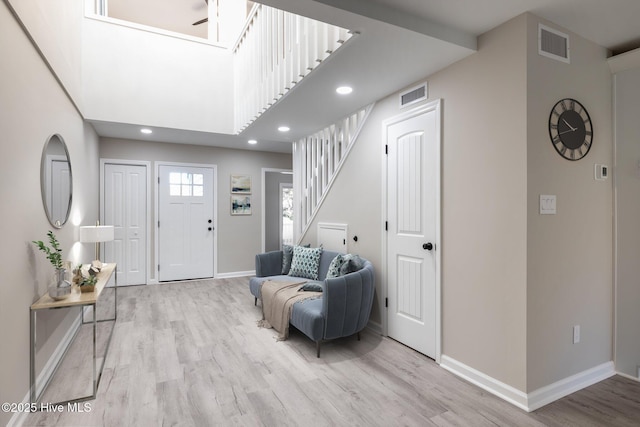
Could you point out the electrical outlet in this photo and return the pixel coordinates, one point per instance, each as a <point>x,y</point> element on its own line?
<point>576,334</point>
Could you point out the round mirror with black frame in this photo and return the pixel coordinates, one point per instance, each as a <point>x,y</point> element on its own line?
<point>56,181</point>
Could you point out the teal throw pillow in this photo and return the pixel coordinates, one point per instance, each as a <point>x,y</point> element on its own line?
<point>354,263</point>
<point>305,262</point>
<point>311,287</point>
<point>336,265</point>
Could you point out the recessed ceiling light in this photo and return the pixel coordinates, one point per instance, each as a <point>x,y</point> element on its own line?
<point>344,90</point>
<point>146,131</point>
<point>284,129</point>
<point>252,141</point>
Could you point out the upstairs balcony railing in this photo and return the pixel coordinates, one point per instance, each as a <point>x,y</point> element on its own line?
<point>276,50</point>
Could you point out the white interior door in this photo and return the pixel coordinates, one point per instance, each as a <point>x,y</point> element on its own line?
<point>59,179</point>
<point>412,212</point>
<point>186,226</point>
<point>125,207</point>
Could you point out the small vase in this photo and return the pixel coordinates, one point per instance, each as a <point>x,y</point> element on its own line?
<point>60,287</point>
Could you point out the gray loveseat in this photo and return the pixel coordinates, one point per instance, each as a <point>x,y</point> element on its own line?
<point>345,305</point>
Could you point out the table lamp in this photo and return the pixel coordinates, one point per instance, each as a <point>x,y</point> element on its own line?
<point>96,234</point>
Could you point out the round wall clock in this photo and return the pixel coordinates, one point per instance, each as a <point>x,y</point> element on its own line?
<point>570,129</point>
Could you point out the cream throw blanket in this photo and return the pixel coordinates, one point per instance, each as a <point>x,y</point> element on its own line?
<point>277,302</point>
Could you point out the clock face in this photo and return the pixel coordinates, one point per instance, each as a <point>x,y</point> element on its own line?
<point>570,129</point>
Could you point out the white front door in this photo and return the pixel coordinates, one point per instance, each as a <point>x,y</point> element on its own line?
<point>412,238</point>
<point>125,207</point>
<point>185,219</point>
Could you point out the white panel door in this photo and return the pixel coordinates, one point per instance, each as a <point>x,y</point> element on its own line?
<point>125,207</point>
<point>413,157</point>
<point>185,234</point>
<point>60,183</point>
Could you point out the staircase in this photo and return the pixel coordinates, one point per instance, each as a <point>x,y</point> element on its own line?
<point>317,160</point>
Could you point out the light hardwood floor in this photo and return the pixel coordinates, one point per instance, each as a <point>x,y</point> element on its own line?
<point>190,354</point>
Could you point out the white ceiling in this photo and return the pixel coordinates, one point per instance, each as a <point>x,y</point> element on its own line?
<point>386,57</point>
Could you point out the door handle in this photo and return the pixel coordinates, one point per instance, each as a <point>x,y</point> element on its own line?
<point>427,246</point>
<point>210,228</point>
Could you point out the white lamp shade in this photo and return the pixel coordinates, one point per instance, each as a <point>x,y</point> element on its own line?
<point>96,233</point>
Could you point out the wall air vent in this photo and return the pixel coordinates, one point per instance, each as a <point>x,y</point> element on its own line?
<point>553,44</point>
<point>413,95</point>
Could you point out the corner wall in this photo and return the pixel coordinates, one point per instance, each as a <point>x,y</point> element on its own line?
<point>627,177</point>
<point>34,107</point>
<point>483,203</point>
<point>570,254</point>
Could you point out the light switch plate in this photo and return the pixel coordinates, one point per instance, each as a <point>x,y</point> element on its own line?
<point>547,204</point>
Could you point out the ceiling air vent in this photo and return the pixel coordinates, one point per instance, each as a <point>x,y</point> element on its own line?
<point>413,95</point>
<point>553,44</point>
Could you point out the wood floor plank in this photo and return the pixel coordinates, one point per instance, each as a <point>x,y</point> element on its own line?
<point>190,353</point>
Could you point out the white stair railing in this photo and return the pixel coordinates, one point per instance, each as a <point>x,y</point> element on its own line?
<point>275,51</point>
<point>317,160</point>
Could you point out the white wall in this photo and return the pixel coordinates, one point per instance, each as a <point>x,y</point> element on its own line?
<point>34,107</point>
<point>239,237</point>
<point>57,28</point>
<point>140,77</point>
<point>627,177</point>
<point>569,255</point>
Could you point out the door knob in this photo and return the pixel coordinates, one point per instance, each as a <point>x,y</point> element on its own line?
<point>210,229</point>
<point>209,221</point>
<point>427,246</point>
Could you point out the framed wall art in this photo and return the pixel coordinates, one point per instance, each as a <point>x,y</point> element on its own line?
<point>240,184</point>
<point>240,204</point>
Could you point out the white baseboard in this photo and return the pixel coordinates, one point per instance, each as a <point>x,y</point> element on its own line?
<point>566,386</point>
<point>631,377</point>
<point>484,381</point>
<point>49,369</point>
<point>375,327</point>
<point>235,274</point>
<point>536,399</point>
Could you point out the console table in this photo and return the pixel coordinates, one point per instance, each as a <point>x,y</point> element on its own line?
<point>76,299</point>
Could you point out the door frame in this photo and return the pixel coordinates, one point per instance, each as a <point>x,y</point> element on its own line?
<point>157,209</point>
<point>281,187</point>
<point>263,199</point>
<point>416,111</point>
<point>147,166</point>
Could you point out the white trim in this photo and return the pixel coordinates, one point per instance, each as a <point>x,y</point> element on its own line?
<point>627,376</point>
<point>545,395</point>
<point>536,399</point>
<point>215,212</point>
<point>614,161</point>
<point>233,274</point>
<point>333,226</point>
<point>147,165</point>
<point>153,30</point>
<point>48,370</point>
<point>263,198</point>
<point>282,186</point>
<point>375,327</point>
<point>485,382</point>
<point>434,105</point>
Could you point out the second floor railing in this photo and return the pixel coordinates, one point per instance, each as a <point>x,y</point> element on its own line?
<point>276,50</point>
